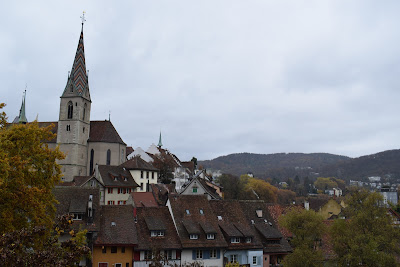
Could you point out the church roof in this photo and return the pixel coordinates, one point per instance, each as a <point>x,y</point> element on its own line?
<point>104,131</point>
<point>77,84</point>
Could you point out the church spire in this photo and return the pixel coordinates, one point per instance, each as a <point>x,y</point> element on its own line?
<point>159,141</point>
<point>22,117</point>
<point>77,84</point>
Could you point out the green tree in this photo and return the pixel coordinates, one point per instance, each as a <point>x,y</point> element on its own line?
<point>166,164</point>
<point>232,185</point>
<point>323,183</point>
<point>307,228</point>
<point>368,237</point>
<point>285,197</point>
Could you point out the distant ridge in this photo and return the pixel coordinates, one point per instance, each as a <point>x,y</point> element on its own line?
<point>287,165</point>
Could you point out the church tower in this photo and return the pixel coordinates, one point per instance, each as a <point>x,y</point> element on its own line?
<point>74,120</point>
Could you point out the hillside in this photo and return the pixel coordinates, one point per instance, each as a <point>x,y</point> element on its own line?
<point>263,165</point>
<point>284,165</point>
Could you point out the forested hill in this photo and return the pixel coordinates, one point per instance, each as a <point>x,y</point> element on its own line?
<point>287,165</point>
<point>264,165</point>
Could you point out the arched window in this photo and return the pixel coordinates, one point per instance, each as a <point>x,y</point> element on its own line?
<point>70,110</point>
<point>84,112</point>
<point>91,160</point>
<point>108,157</point>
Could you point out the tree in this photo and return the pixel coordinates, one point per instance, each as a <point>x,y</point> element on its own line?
<point>307,228</point>
<point>28,173</point>
<point>368,237</point>
<point>259,189</point>
<point>232,185</point>
<point>285,196</point>
<point>323,183</point>
<point>166,164</point>
<point>194,159</point>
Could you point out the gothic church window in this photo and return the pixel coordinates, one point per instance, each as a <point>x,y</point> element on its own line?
<point>108,157</point>
<point>84,112</point>
<point>70,110</point>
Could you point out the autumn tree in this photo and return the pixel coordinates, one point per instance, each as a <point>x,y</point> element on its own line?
<point>259,189</point>
<point>28,173</point>
<point>323,183</point>
<point>285,197</point>
<point>307,228</point>
<point>368,237</point>
<point>232,186</point>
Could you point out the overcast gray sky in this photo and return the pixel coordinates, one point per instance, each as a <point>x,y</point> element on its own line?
<point>216,77</point>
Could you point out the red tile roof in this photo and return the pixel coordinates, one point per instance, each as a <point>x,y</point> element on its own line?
<point>104,131</point>
<point>144,199</point>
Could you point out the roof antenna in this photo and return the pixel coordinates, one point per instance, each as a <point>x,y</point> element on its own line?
<point>109,115</point>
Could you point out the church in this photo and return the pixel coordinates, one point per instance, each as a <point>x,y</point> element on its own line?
<point>85,143</point>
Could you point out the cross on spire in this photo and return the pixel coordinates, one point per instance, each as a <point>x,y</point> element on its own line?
<point>83,18</point>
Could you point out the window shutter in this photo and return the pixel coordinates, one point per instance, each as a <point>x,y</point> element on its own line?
<point>259,260</point>
<point>193,254</point>
<point>206,254</point>
<point>218,253</point>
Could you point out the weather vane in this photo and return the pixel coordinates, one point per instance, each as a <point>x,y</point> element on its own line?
<point>83,17</point>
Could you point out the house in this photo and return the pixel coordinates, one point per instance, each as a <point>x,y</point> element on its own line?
<point>275,246</point>
<point>244,245</point>
<point>324,205</point>
<point>114,245</point>
<point>157,237</point>
<point>200,186</point>
<point>143,199</point>
<point>84,205</point>
<point>117,184</point>
<point>142,172</point>
<point>197,226</point>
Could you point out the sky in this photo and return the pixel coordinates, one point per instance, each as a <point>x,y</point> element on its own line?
<point>215,76</point>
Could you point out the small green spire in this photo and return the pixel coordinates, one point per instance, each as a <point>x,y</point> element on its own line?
<point>159,141</point>
<point>22,118</point>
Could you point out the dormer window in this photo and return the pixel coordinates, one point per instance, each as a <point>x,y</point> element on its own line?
<point>115,178</point>
<point>259,213</point>
<point>235,240</point>
<point>157,233</point>
<point>210,236</point>
<point>201,212</point>
<point>77,217</point>
<point>194,189</point>
<point>248,239</point>
<point>187,212</point>
<point>125,179</point>
<point>194,236</point>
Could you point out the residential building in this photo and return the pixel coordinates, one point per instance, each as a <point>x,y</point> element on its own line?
<point>144,173</point>
<point>202,240</point>
<point>115,243</point>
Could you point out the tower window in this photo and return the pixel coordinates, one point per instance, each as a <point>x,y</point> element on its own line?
<point>91,160</point>
<point>84,112</point>
<point>108,157</point>
<point>84,129</point>
<point>68,128</point>
<point>71,88</point>
<point>70,110</point>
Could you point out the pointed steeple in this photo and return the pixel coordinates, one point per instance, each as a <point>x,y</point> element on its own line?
<point>22,118</point>
<point>77,84</point>
<point>159,141</point>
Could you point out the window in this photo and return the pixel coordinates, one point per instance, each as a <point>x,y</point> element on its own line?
<point>254,260</point>
<point>104,250</point>
<point>125,179</point>
<point>92,183</point>
<point>141,174</point>
<point>91,160</point>
<point>213,253</point>
<point>141,186</point>
<point>77,217</point>
<point>235,240</point>
<point>194,236</point>
<point>83,129</point>
<point>210,236</point>
<point>70,110</point>
<point>233,258</point>
<point>147,175</point>
<point>71,88</point>
<point>201,211</point>
<point>68,128</point>
<point>84,113</point>
<point>199,254</point>
<point>110,190</point>
<point>120,190</point>
<point>108,157</point>
<point>111,202</point>
<point>118,265</point>
<point>187,212</point>
<point>152,175</point>
<point>157,233</point>
<point>259,213</point>
<point>113,249</point>
<point>169,254</point>
<point>248,239</point>
<point>194,189</point>
<point>120,202</point>
<point>148,255</point>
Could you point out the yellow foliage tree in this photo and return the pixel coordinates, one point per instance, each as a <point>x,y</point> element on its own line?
<point>259,189</point>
